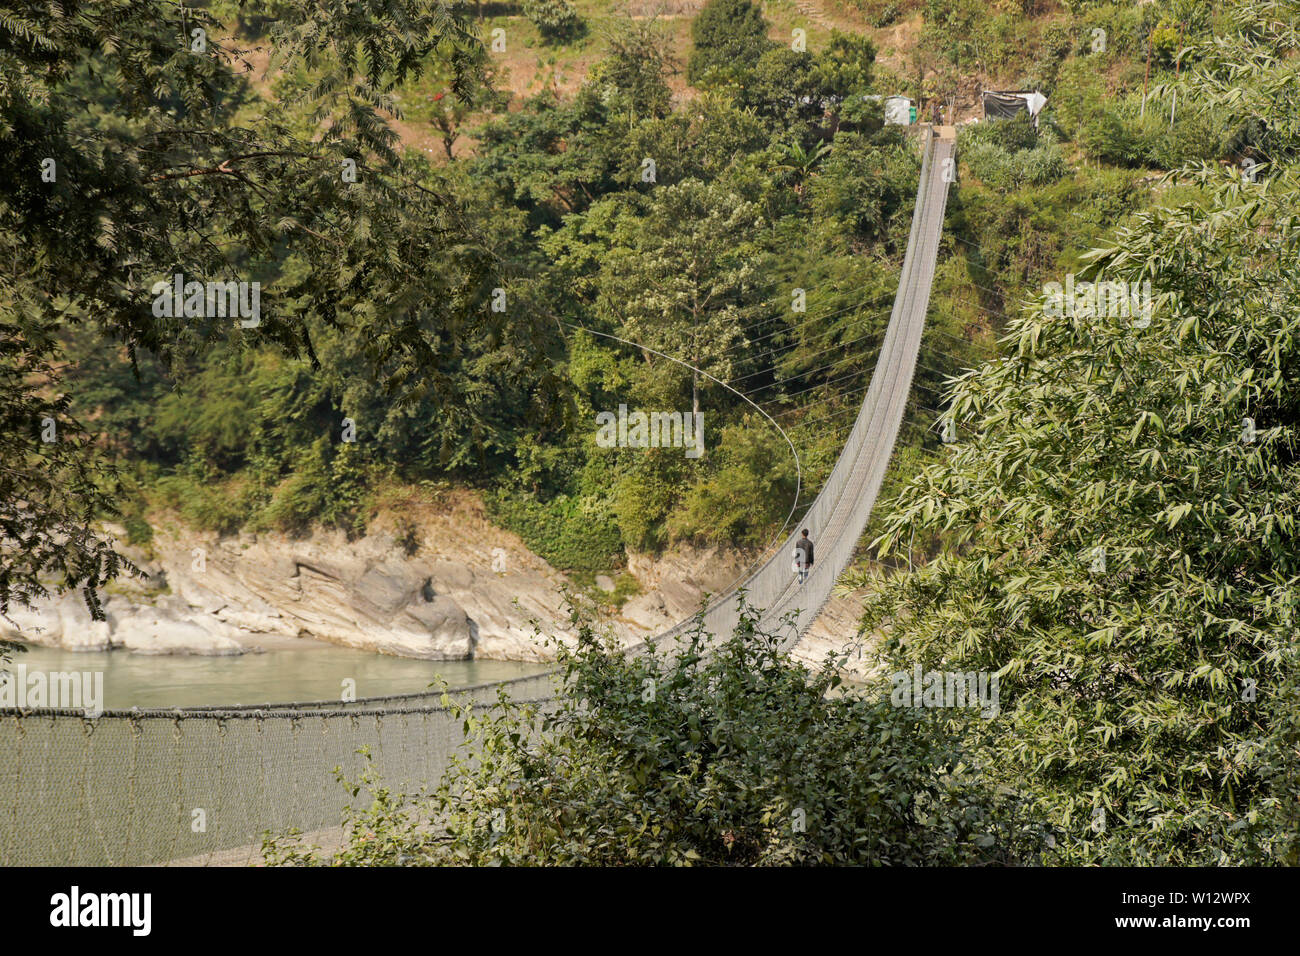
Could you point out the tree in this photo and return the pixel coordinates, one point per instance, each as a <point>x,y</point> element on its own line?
<point>550,158</point>
<point>847,65</point>
<point>51,486</point>
<point>700,141</point>
<point>683,278</point>
<point>446,108</point>
<point>129,154</point>
<point>634,73</point>
<point>864,184</point>
<point>556,20</point>
<point>795,164</point>
<point>729,35</point>
<point>783,88</point>
<point>1121,513</point>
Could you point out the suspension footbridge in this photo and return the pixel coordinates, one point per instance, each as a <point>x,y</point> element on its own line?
<point>203,784</point>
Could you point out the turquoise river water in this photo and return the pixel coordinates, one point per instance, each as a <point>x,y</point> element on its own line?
<point>296,671</point>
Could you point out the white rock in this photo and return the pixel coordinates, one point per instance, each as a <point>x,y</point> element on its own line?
<point>445,602</point>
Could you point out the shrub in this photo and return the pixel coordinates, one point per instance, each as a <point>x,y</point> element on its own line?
<point>205,502</point>
<point>643,498</point>
<point>880,13</point>
<point>741,757</point>
<point>573,533</point>
<point>887,16</point>
<point>408,537</point>
<point>1105,138</point>
<point>138,530</point>
<point>1116,553</point>
<point>1011,136</point>
<point>556,20</point>
<point>746,497</point>
<point>1002,155</point>
<point>1273,835</point>
<point>331,489</point>
<point>1194,137</point>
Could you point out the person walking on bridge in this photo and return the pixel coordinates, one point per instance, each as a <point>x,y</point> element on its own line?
<point>803,556</point>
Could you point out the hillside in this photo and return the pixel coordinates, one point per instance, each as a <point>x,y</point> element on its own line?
<point>541,171</point>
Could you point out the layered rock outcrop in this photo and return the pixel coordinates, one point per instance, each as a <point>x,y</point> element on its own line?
<point>470,590</point>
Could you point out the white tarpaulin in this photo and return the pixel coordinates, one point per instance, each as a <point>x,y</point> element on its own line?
<point>1004,105</point>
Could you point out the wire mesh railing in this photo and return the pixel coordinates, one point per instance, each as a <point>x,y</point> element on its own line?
<point>205,785</point>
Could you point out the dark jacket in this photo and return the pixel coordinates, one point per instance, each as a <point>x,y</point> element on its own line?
<point>805,545</point>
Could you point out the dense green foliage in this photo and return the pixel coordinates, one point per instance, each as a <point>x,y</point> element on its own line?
<point>556,20</point>
<point>568,227</point>
<point>728,37</point>
<point>1119,518</point>
<point>131,152</point>
<point>577,533</point>
<point>738,757</point>
<point>778,178</point>
<point>1009,156</point>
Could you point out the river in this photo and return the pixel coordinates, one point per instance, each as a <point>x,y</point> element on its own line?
<point>292,670</point>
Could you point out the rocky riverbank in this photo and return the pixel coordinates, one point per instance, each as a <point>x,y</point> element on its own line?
<point>468,590</point>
